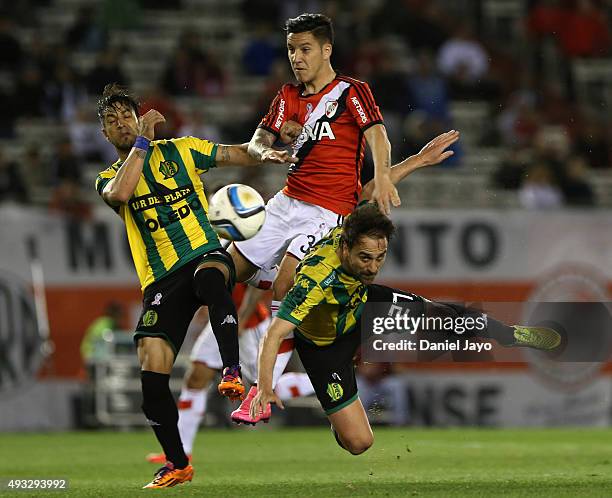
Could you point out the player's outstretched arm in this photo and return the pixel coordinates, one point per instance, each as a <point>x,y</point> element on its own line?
<point>384,192</point>
<point>235,155</point>
<point>260,147</point>
<point>121,188</point>
<point>434,152</point>
<point>279,329</point>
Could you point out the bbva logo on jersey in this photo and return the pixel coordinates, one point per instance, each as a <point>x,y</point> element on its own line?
<point>320,130</point>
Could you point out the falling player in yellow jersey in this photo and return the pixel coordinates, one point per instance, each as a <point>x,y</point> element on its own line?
<point>155,187</point>
<point>324,307</point>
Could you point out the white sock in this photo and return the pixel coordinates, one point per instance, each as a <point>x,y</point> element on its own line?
<point>274,305</point>
<point>191,408</point>
<point>279,367</point>
<point>293,385</point>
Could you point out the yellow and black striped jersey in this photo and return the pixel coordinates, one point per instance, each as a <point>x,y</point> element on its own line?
<point>166,218</point>
<point>325,301</point>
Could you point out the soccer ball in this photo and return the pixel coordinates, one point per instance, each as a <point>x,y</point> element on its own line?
<point>236,212</point>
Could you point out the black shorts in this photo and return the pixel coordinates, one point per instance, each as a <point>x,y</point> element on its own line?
<point>169,304</point>
<point>331,369</point>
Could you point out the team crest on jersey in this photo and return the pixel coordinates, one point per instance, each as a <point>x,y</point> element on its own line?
<point>330,108</point>
<point>168,169</point>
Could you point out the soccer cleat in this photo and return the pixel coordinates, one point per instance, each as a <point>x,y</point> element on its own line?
<point>536,337</point>
<point>159,458</point>
<point>168,476</point>
<point>242,415</point>
<point>231,384</point>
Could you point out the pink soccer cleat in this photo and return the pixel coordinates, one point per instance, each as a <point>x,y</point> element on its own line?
<point>241,414</point>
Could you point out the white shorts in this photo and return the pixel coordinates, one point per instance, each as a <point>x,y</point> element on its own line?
<point>291,226</point>
<point>205,349</point>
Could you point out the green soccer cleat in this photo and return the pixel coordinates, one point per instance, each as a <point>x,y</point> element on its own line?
<point>536,337</point>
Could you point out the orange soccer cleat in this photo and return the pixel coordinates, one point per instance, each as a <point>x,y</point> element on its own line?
<point>231,384</point>
<point>168,476</point>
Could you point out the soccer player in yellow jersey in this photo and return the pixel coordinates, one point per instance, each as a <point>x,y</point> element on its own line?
<point>155,187</point>
<point>324,306</point>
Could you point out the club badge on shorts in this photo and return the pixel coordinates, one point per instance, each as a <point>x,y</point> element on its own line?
<point>334,391</point>
<point>150,318</point>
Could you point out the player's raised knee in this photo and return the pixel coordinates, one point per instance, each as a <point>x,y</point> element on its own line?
<point>357,445</point>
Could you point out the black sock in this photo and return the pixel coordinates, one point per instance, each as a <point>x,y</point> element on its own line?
<point>502,333</point>
<point>210,288</point>
<point>159,407</point>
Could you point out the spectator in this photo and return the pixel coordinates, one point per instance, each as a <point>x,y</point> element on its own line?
<point>463,57</point>
<point>11,110</point>
<point>379,391</point>
<point>107,68</point>
<point>38,174</point>
<point>592,144</point>
<point>464,61</point>
<point>126,14</point>
<point>585,31</point>
<point>519,120</point>
<point>63,94</point>
<point>539,189</point>
<point>260,52</point>
<point>196,125</point>
<point>155,98</point>
<point>65,165</point>
<point>510,174</point>
<point>101,329</point>
<point>428,91</point>
<point>86,34</point>
<point>11,53</point>
<point>12,185</point>
<point>86,140</point>
<point>67,199</point>
<point>30,92</point>
<point>191,71</point>
<point>576,188</point>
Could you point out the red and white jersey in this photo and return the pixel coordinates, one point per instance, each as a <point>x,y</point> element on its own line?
<point>331,146</point>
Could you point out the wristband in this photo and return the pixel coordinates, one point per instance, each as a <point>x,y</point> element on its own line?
<point>141,143</point>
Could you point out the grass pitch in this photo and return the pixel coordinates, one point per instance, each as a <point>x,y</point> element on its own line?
<point>307,462</point>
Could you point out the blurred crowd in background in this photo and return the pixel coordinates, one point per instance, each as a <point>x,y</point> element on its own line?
<point>429,62</point>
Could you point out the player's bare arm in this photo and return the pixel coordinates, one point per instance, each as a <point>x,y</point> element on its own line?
<point>385,193</point>
<point>120,189</point>
<point>279,329</point>
<point>260,147</point>
<point>235,155</point>
<point>249,302</point>
<point>434,152</point>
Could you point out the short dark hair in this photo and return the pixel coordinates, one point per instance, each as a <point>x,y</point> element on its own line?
<point>320,26</point>
<point>113,93</point>
<point>366,220</point>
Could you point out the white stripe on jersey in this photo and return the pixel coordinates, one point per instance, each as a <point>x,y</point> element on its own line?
<point>318,112</point>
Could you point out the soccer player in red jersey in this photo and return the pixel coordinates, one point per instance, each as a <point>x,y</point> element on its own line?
<point>333,116</point>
